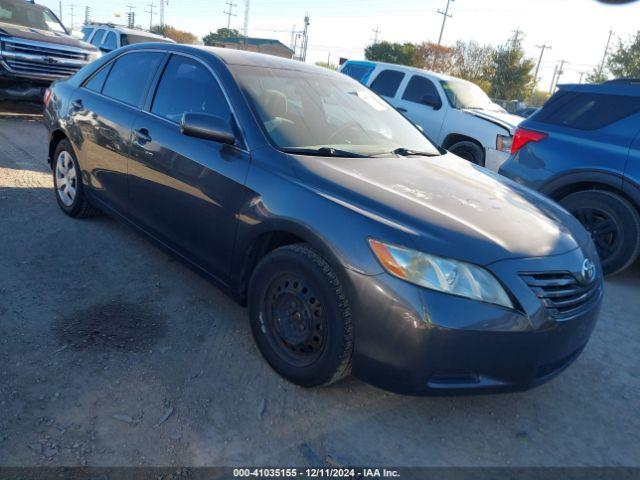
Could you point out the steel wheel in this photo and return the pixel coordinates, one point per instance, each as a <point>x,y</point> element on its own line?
<point>296,317</point>
<point>603,229</point>
<point>66,178</point>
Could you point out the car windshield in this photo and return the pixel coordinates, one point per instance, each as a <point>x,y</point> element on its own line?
<point>24,14</point>
<point>468,95</point>
<point>129,39</point>
<point>326,112</point>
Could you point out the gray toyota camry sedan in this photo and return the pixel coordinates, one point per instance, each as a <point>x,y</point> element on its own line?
<point>358,245</point>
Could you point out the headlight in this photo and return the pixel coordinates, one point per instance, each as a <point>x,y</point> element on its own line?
<point>441,274</point>
<point>503,143</point>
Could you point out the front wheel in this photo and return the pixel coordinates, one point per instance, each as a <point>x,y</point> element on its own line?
<point>614,225</point>
<point>300,317</point>
<point>470,151</point>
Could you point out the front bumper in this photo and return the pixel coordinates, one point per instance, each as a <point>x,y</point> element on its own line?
<point>416,341</point>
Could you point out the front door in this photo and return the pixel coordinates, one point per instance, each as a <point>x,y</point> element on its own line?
<point>183,190</point>
<point>421,103</point>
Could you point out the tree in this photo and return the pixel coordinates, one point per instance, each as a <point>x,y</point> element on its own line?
<point>399,53</point>
<point>624,62</point>
<point>179,36</point>
<point>215,38</point>
<point>537,98</point>
<point>597,76</point>
<point>511,76</point>
<point>473,62</point>
<point>434,57</point>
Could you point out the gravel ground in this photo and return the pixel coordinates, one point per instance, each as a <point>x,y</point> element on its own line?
<point>113,354</point>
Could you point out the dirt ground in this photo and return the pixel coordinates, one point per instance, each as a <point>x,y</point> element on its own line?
<point>114,354</point>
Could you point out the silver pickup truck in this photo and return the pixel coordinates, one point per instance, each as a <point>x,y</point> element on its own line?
<point>36,49</point>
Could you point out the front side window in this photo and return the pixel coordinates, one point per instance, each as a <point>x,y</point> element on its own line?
<point>188,87</point>
<point>130,76</point>
<point>309,110</point>
<point>419,89</point>
<point>463,95</point>
<point>586,110</point>
<point>110,42</point>
<point>387,83</point>
<point>97,38</point>
<point>26,14</point>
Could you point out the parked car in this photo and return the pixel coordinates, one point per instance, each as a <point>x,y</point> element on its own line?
<point>454,113</point>
<point>109,37</point>
<point>35,49</point>
<point>583,150</point>
<point>526,112</point>
<point>357,244</point>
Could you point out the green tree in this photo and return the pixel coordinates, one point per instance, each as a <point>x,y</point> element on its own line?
<point>597,76</point>
<point>434,57</point>
<point>215,38</point>
<point>511,75</point>
<point>624,62</point>
<point>473,62</point>
<point>399,53</point>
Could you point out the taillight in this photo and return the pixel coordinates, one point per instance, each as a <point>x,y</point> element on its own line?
<point>524,136</point>
<point>47,97</point>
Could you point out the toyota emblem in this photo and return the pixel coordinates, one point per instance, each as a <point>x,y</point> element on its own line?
<point>588,272</point>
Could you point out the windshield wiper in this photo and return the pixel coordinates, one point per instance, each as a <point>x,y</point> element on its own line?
<point>407,152</point>
<point>323,152</point>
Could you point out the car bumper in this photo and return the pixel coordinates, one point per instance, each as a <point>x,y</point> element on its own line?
<point>416,341</point>
<point>494,159</point>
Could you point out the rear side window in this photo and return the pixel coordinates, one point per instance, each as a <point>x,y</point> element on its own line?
<point>387,83</point>
<point>359,71</point>
<point>97,81</point>
<point>187,86</point>
<point>110,42</point>
<point>586,110</point>
<point>97,38</point>
<point>130,76</point>
<point>418,88</point>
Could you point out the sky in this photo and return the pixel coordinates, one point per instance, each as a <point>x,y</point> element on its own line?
<point>577,30</point>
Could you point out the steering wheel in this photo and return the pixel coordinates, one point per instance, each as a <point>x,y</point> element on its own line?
<point>344,128</point>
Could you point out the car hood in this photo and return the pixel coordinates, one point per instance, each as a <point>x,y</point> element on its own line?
<point>446,206</point>
<point>502,119</point>
<point>47,36</point>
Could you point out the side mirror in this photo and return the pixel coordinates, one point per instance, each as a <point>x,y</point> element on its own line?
<point>208,127</point>
<point>431,101</point>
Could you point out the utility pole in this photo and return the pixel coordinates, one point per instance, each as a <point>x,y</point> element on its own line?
<point>87,14</point>
<point>560,70</point>
<point>606,52</point>
<point>245,26</point>
<point>553,79</point>
<point>60,10</point>
<point>162,4</point>
<point>294,34</point>
<point>230,13</point>
<point>71,14</point>
<point>516,36</point>
<point>542,48</point>
<point>305,38</point>
<point>151,13</point>
<point>131,17</point>
<point>581,75</point>
<point>445,15</point>
<point>376,32</point>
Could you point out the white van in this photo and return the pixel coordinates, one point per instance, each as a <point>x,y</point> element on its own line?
<point>454,113</point>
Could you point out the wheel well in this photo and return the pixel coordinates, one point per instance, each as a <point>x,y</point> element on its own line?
<point>454,138</point>
<point>56,138</point>
<point>261,247</point>
<point>562,192</point>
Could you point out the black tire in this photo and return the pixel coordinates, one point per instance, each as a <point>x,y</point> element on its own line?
<point>302,328</point>
<point>614,225</point>
<point>79,206</point>
<point>468,150</point>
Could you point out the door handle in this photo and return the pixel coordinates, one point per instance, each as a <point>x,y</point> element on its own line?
<point>76,105</point>
<point>400,109</point>
<point>142,135</point>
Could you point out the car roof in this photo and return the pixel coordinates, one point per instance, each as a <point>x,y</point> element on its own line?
<point>629,87</point>
<point>405,68</point>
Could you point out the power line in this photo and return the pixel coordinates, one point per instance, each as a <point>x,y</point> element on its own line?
<point>230,12</point>
<point>445,15</point>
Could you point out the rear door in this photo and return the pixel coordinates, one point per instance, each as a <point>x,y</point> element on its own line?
<point>102,112</point>
<point>413,99</point>
<point>187,191</point>
<point>387,83</point>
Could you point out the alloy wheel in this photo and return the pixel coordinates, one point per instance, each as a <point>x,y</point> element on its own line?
<point>603,229</point>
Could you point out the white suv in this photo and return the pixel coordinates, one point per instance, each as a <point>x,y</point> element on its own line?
<point>454,113</point>
<point>109,37</point>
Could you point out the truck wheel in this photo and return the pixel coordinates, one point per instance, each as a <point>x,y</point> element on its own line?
<point>614,225</point>
<point>469,151</point>
<point>67,183</point>
<point>300,317</point>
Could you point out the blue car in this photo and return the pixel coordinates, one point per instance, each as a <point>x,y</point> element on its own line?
<point>583,150</point>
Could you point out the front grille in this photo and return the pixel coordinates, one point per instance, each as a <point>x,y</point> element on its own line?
<point>561,292</point>
<point>41,60</point>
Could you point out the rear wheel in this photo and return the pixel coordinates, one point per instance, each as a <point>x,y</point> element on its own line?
<point>300,317</point>
<point>614,225</point>
<point>469,151</point>
<point>67,183</point>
